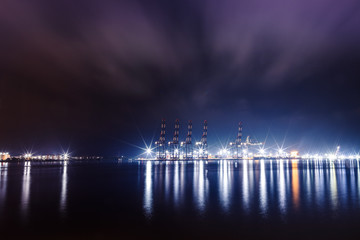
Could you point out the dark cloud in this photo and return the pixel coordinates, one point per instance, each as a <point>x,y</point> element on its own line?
<point>83,72</point>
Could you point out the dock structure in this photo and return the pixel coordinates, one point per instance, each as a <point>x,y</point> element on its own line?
<point>160,144</point>
<point>174,144</point>
<point>238,149</point>
<point>188,143</point>
<point>185,150</point>
<point>203,151</point>
<point>175,150</point>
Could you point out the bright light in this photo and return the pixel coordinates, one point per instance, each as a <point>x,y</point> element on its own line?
<point>294,154</point>
<point>65,156</point>
<point>262,151</point>
<point>148,151</point>
<point>28,155</point>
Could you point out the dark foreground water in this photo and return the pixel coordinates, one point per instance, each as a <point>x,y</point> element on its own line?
<point>272,199</point>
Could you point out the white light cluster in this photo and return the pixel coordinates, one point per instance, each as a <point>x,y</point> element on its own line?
<point>330,156</point>
<point>30,156</point>
<point>224,152</point>
<point>148,151</point>
<point>65,156</point>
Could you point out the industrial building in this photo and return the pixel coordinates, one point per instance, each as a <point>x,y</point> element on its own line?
<point>175,150</point>
<point>4,156</point>
<point>181,150</point>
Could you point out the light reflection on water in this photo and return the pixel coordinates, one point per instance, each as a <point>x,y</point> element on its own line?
<point>25,192</point>
<point>176,184</point>
<point>289,185</point>
<point>64,183</point>
<point>268,189</point>
<point>148,198</point>
<point>225,180</point>
<point>282,186</point>
<point>333,187</point>
<point>246,186</point>
<point>3,184</point>
<point>358,179</point>
<point>295,182</point>
<point>263,191</point>
<point>200,185</point>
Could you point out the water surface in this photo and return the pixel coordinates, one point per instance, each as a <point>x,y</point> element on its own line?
<point>181,199</point>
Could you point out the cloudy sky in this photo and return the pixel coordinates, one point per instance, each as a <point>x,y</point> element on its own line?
<point>91,74</point>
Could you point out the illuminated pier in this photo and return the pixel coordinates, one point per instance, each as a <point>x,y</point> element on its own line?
<point>249,149</point>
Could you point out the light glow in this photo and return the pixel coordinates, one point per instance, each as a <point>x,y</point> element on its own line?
<point>66,156</point>
<point>148,151</point>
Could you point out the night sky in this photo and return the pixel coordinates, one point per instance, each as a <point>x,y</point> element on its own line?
<point>91,75</point>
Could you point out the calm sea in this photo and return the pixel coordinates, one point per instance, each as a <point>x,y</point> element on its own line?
<point>247,199</point>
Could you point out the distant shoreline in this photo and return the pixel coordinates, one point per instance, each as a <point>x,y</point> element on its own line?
<point>51,160</point>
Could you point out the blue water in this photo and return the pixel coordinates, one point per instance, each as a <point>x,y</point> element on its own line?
<point>277,199</point>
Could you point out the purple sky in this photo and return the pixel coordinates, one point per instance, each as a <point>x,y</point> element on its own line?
<point>78,70</point>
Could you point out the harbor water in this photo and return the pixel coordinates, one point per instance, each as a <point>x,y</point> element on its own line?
<point>248,199</point>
